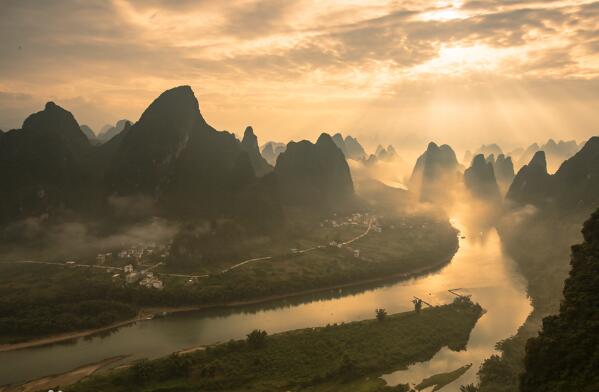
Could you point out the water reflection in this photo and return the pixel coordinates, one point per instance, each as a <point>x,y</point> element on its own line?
<point>479,268</point>
<point>485,272</point>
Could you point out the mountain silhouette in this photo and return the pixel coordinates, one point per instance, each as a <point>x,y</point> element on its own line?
<point>350,147</point>
<point>271,151</point>
<point>435,173</point>
<point>108,131</point>
<point>314,174</point>
<point>44,166</point>
<point>89,133</point>
<point>172,156</point>
<point>531,184</point>
<point>576,182</point>
<point>574,187</point>
<point>249,144</point>
<point>504,169</point>
<point>555,153</point>
<point>480,180</point>
<point>489,149</point>
<point>564,355</point>
<point>354,149</point>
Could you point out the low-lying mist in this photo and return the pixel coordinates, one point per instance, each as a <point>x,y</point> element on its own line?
<point>78,239</point>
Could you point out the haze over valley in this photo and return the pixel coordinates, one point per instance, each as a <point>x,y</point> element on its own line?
<point>295,196</point>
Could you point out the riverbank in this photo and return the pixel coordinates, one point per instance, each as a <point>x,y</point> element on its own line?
<point>305,358</point>
<point>67,378</point>
<point>540,247</point>
<point>146,313</point>
<point>50,303</point>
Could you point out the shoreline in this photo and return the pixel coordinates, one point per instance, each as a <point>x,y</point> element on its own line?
<point>151,312</point>
<point>65,378</point>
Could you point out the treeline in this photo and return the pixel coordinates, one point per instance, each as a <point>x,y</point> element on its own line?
<point>344,355</point>
<point>38,301</point>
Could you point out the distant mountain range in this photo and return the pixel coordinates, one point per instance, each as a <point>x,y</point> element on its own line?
<point>382,154</point>
<point>109,131</point>
<point>271,151</point>
<point>350,147</point>
<point>89,133</point>
<point>555,152</point>
<point>574,187</point>
<point>171,158</point>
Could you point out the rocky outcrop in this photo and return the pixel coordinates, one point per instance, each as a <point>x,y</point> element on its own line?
<point>564,355</point>
<point>249,144</point>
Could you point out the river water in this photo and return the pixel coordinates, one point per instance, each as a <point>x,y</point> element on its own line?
<point>479,268</point>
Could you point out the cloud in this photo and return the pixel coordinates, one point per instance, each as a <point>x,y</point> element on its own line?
<point>273,62</point>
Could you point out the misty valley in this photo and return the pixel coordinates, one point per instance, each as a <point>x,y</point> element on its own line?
<point>172,256</point>
<point>299,196</point>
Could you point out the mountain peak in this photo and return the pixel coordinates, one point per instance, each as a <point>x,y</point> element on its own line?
<point>250,141</point>
<point>249,144</point>
<point>539,160</point>
<point>324,139</point>
<point>178,103</point>
<point>249,132</point>
<point>479,159</point>
<point>56,120</point>
<point>432,146</point>
<point>50,105</point>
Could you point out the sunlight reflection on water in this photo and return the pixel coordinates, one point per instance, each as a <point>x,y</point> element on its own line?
<point>479,267</point>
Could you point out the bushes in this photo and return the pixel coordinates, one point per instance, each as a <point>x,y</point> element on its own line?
<point>381,314</point>
<point>309,357</point>
<point>257,338</point>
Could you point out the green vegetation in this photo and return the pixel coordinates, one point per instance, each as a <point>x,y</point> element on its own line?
<point>313,359</point>
<point>38,300</point>
<point>540,247</point>
<point>442,379</point>
<point>404,245</point>
<point>41,300</point>
<point>564,357</point>
<point>381,314</point>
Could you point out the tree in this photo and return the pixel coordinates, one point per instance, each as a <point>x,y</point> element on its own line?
<point>469,388</point>
<point>381,314</point>
<point>417,305</point>
<point>142,371</point>
<point>257,338</point>
<point>178,365</point>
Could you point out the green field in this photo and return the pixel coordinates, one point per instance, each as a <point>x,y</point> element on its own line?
<point>348,356</point>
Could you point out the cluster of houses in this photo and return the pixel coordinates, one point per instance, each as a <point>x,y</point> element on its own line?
<point>145,278</point>
<point>356,218</point>
<point>135,253</point>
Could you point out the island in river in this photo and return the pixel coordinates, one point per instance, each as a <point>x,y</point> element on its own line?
<point>353,355</point>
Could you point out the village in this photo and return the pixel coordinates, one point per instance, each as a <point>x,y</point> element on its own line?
<point>139,265</point>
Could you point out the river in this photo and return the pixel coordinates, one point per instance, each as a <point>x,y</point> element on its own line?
<point>479,268</point>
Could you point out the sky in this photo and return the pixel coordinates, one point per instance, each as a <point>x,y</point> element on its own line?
<point>403,72</point>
